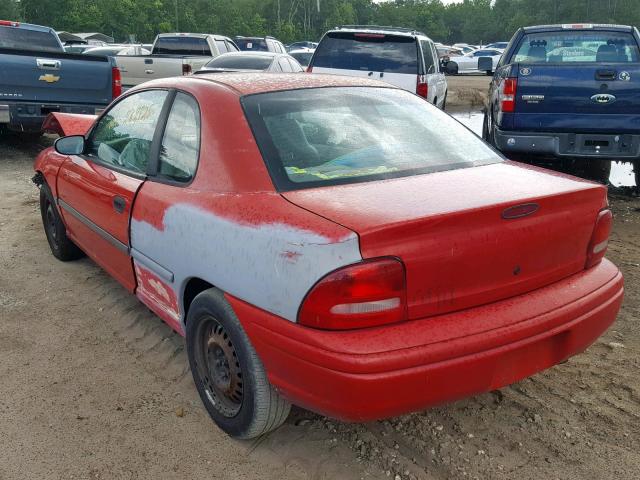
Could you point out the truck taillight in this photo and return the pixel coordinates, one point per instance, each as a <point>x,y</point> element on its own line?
<point>186,69</point>
<point>508,94</point>
<point>9,23</point>
<point>116,82</point>
<point>422,87</point>
<point>599,238</point>
<point>365,294</point>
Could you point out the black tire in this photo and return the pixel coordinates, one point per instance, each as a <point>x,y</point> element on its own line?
<point>444,102</point>
<point>598,170</point>
<point>487,129</point>
<point>61,246</point>
<point>636,170</point>
<point>228,374</point>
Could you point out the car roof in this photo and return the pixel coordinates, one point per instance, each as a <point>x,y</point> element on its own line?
<point>576,26</point>
<point>251,83</point>
<point>399,31</point>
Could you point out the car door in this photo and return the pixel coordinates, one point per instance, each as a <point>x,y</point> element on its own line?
<point>441,80</point>
<point>96,190</point>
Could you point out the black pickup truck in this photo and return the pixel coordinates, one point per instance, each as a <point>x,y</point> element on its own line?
<point>568,95</point>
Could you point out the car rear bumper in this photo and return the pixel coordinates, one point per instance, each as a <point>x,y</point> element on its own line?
<point>575,145</point>
<point>28,117</point>
<point>380,372</point>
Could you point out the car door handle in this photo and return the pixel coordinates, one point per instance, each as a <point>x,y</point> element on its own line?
<point>148,72</point>
<point>119,203</point>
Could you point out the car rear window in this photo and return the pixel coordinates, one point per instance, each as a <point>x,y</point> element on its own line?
<point>252,44</point>
<point>338,135</point>
<point>241,62</point>
<point>182,46</point>
<point>25,39</point>
<point>367,52</point>
<point>572,46</point>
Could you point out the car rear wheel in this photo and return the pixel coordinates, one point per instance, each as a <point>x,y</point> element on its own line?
<point>228,374</point>
<point>61,246</point>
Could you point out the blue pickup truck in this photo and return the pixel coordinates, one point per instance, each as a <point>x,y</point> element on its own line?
<point>37,77</point>
<point>568,95</point>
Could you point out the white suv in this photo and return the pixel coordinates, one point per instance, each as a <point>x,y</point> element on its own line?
<point>402,57</point>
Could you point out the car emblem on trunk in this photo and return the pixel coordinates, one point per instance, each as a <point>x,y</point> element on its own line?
<point>519,211</point>
<point>624,76</point>
<point>525,71</point>
<point>603,98</point>
<point>49,78</point>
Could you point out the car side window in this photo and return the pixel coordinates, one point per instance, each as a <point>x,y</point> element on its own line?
<point>122,138</point>
<point>181,141</point>
<point>222,46</point>
<point>231,47</point>
<point>429,64</point>
<point>284,65</point>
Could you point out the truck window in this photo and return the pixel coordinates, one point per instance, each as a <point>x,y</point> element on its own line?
<point>182,46</point>
<point>367,52</point>
<point>123,136</point>
<point>252,44</point>
<point>25,39</point>
<point>181,141</point>
<point>222,46</point>
<point>577,46</point>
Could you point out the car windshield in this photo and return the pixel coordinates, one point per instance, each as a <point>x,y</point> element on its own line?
<point>302,57</point>
<point>241,62</point>
<point>577,46</point>
<point>368,52</point>
<point>182,46</point>
<point>25,39</point>
<point>252,44</point>
<point>337,135</point>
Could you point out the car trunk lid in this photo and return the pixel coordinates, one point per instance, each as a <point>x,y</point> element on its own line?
<point>449,229</point>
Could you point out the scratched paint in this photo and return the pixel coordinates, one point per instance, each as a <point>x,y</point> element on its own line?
<point>271,266</point>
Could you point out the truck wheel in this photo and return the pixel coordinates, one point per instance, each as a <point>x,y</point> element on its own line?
<point>444,102</point>
<point>636,170</point>
<point>487,129</point>
<point>61,246</point>
<point>598,170</point>
<point>228,374</point>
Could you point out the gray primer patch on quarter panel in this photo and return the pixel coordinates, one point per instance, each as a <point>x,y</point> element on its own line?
<point>270,266</point>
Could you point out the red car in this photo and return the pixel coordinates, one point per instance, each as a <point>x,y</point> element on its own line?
<point>332,242</point>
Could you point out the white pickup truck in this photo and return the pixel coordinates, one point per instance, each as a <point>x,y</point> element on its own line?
<point>173,54</point>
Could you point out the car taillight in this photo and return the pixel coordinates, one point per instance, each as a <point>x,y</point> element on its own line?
<point>186,69</point>
<point>599,239</point>
<point>9,23</point>
<point>365,294</point>
<point>309,69</point>
<point>116,82</point>
<point>508,94</point>
<point>422,88</point>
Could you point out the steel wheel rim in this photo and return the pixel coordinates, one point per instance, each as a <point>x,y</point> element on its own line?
<point>218,367</point>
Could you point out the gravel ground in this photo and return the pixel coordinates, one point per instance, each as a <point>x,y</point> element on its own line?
<point>94,386</point>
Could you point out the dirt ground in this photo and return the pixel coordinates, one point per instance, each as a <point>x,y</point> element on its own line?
<point>94,386</point>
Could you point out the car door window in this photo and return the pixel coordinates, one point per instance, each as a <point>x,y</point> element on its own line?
<point>222,46</point>
<point>284,65</point>
<point>231,47</point>
<point>124,134</point>
<point>429,64</point>
<point>181,142</point>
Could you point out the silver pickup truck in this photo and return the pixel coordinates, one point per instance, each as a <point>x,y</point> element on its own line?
<point>173,54</point>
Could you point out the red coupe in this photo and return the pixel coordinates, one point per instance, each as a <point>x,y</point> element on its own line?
<point>332,242</point>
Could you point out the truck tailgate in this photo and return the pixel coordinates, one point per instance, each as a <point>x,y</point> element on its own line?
<point>139,69</point>
<point>46,77</point>
<point>600,97</point>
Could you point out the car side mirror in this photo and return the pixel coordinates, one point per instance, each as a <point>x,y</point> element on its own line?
<point>71,145</point>
<point>451,68</point>
<point>485,64</point>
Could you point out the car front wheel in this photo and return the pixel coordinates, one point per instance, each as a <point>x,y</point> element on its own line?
<point>228,374</point>
<point>61,246</point>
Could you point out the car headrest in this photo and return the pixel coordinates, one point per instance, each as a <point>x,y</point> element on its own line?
<point>537,53</point>
<point>607,53</point>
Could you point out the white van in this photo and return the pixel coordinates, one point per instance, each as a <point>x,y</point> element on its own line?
<point>402,57</point>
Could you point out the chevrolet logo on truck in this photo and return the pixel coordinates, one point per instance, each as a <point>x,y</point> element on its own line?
<point>603,98</point>
<point>49,78</point>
